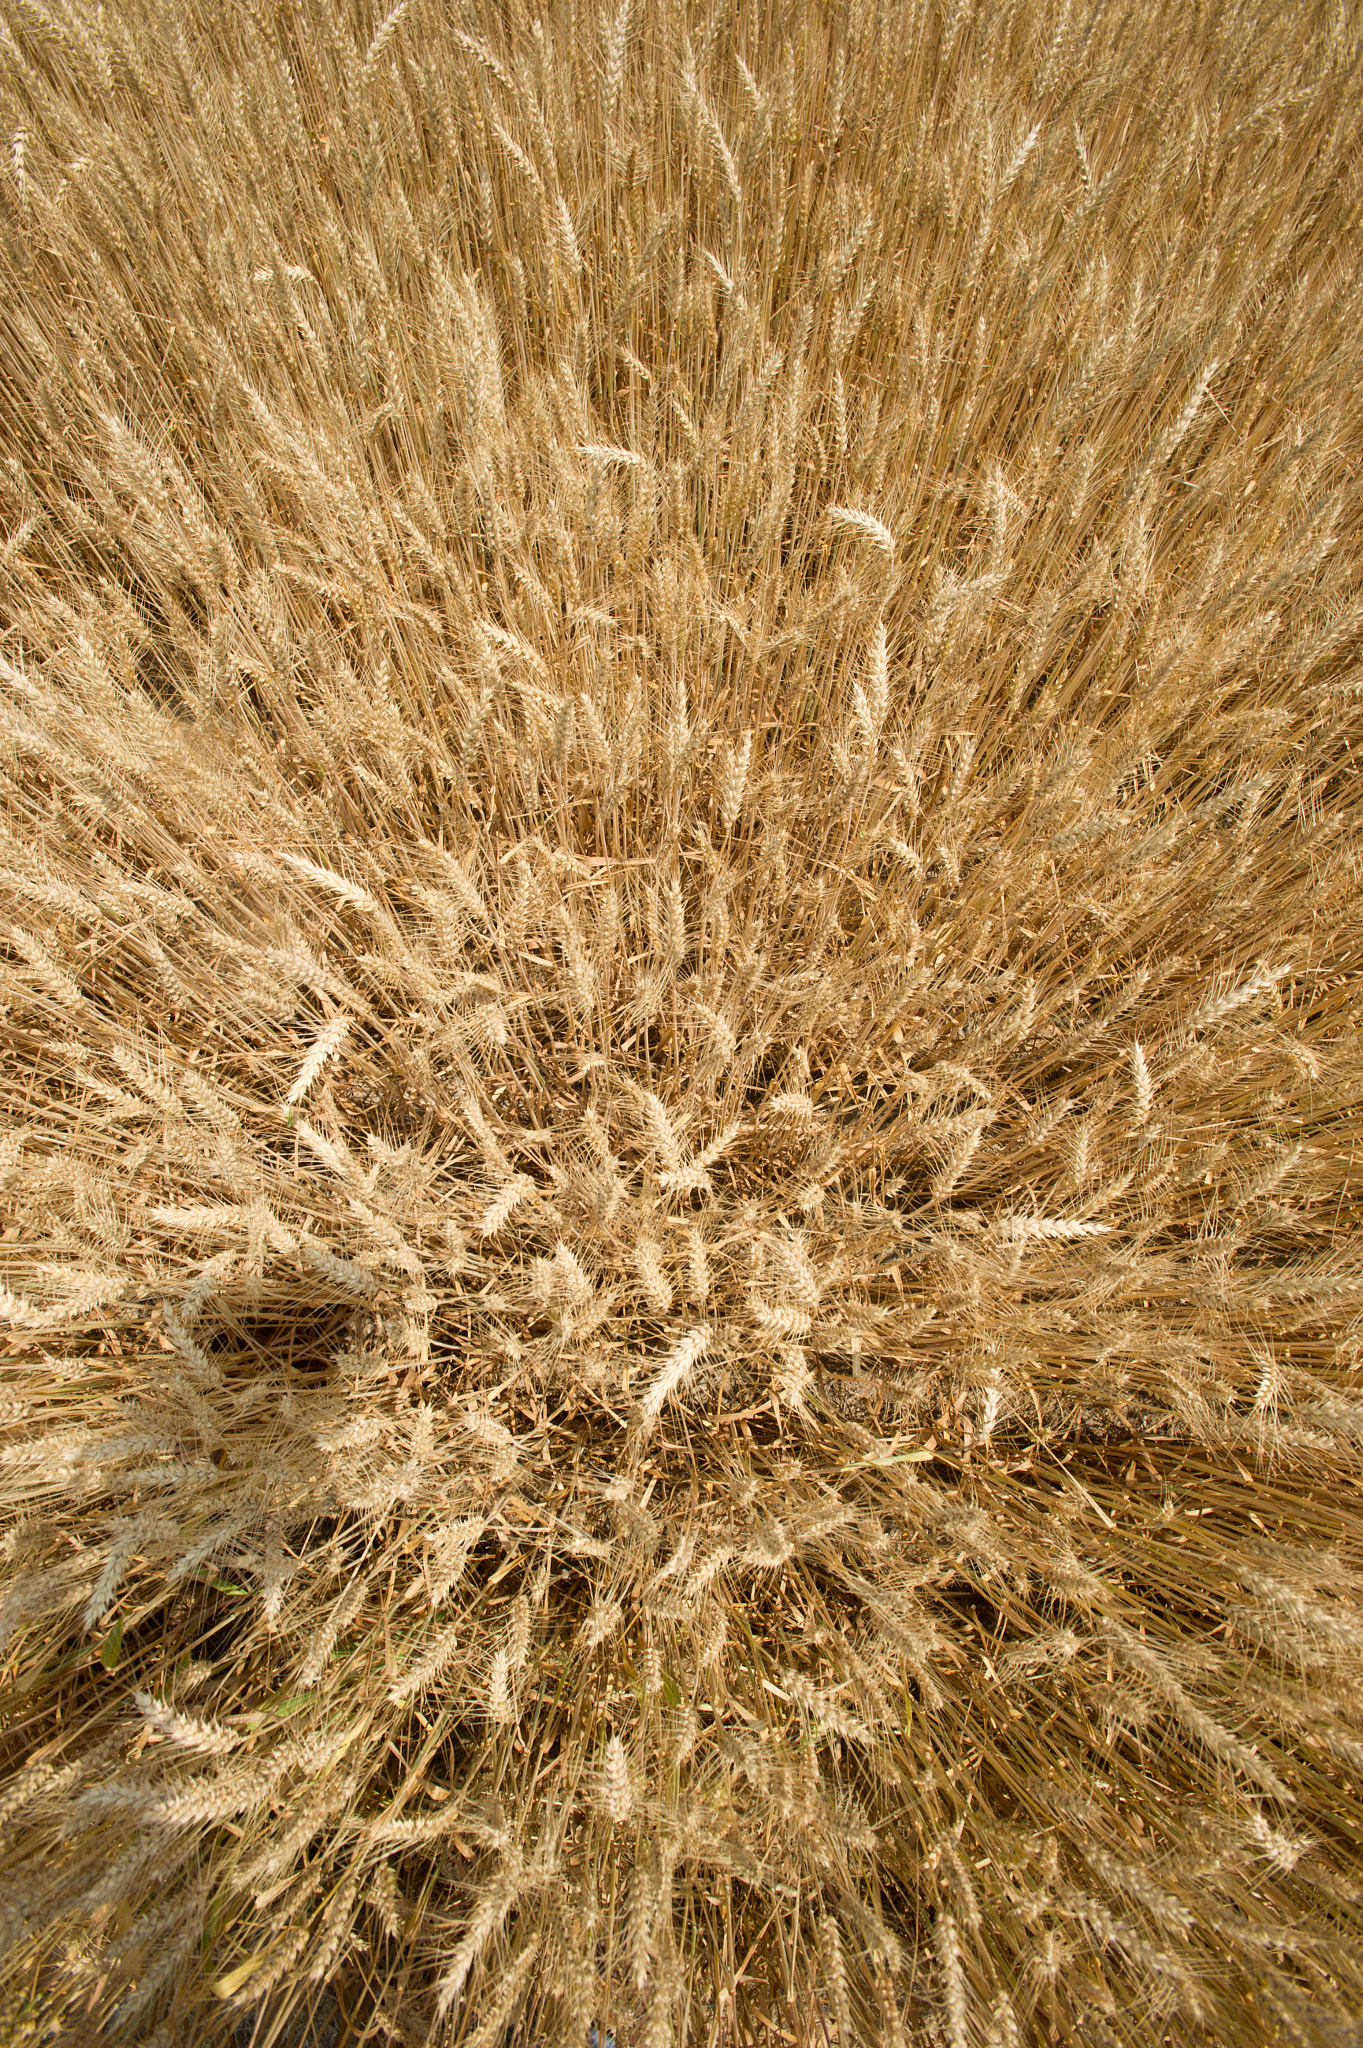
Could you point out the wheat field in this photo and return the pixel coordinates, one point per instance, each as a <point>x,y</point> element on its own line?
<point>681,957</point>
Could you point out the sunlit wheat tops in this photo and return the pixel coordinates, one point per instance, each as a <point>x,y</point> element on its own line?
<point>680,936</point>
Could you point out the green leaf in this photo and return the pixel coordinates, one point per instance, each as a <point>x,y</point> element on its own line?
<point>290,1703</point>
<point>228,1586</point>
<point>217,1913</point>
<point>111,1649</point>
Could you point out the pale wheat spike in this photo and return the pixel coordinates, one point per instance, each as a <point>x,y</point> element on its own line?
<point>500,1209</point>
<point>652,1272</point>
<point>435,1659</point>
<point>1003,2027</point>
<point>568,1276</point>
<point>866,524</point>
<point>499,1702</point>
<point>698,1266</point>
<point>600,1623</point>
<point>961,1885</point>
<point>201,1217</point>
<point>205,1799</point>
<point>1125,1877</point>
<point>383,35</point>
<point>510,1991</point>
<point>518,157</point>
<point>488,1915</point>
<point>326,1046</point>
<point>518,1633</point>
<point>207,1738</point>
<point>597,451</point>
<point>792,1378</point>
<point>1234,999</point>
<point>891,2030</point>
<point>388,1901</point>
<point>797,1270</point>
<point>341,1272</point>
<point>709,1570</point>
<point>722,151</point>
<point>946,1942</point>
<point>616,43</point>
<point>335,1929</point>
<point>645,1895</point>
<point>53,977</point>
<point>450,1548</point>
<point>617,1787</point>
<point>1028,1229</point>
<point>677,1366</point>
<point>725,1042</point>
<point>835,1973</point>
<point>332,1152</point>
<point>338,885</point>
<point>664,1136</point>
<point>210,1278</point>
<point>1173,440</point>
<point>1143,1085</point>
<point>825,1709</point>
<point>565,235</point>
<point>876,696</point>
<point>733,781</point>
<point>1019,157</point>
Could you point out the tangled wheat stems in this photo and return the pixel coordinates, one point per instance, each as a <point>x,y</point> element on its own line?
<point>680,973</point>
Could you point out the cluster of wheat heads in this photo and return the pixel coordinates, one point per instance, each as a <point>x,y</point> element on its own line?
<point>680,963</point>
